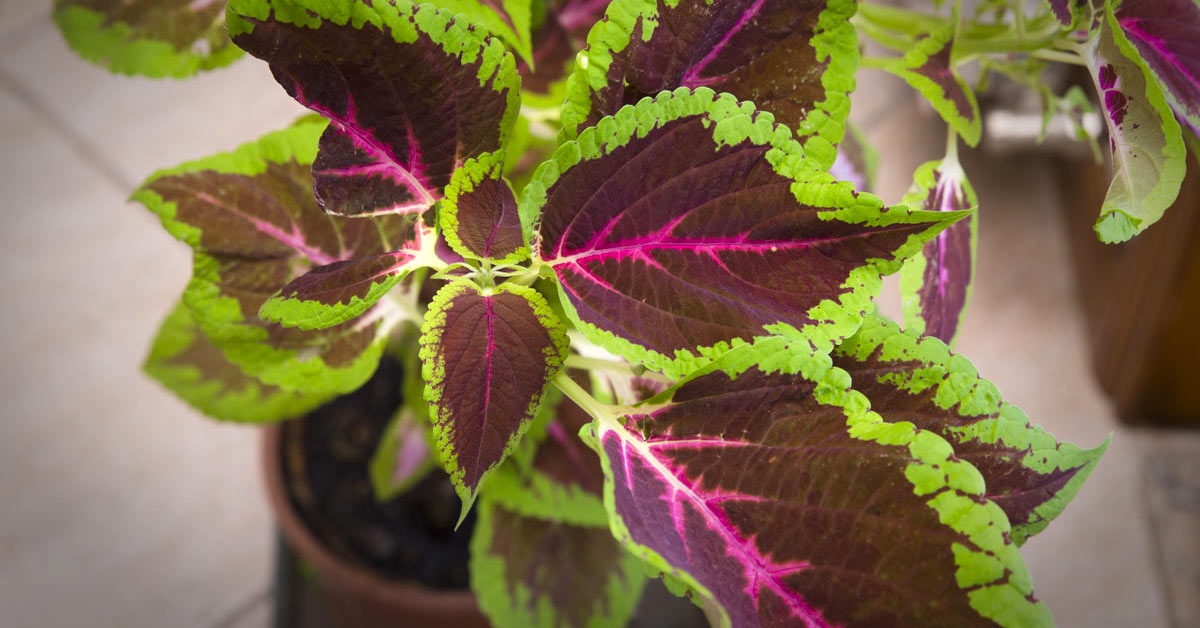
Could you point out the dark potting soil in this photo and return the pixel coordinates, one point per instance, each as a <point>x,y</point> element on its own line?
<point>326,457</point>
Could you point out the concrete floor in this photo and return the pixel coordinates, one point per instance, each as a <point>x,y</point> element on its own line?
<point>123,508</point>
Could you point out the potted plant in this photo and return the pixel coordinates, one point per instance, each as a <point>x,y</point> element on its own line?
<point>636,330</point>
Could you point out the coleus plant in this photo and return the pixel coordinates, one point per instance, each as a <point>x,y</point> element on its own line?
<point>627,253</point>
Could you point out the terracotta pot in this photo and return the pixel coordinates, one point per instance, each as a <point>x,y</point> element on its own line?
<point>359,598</point>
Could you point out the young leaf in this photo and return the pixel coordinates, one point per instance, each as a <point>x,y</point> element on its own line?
<point>154,38</point>
<point>927,69</point>
<point>936,284</point>
<point>769,487</point>
<point>538,573</point>
<point>340,291</point>
<point>1166,34</point>
<point>793,58</point>
<point>1147,146</point>
<point>487,357</point>
<point>252,221</point>
<point>403,456</point>
<point>1030,475</point>
<point>1063,10</point>
<point>690,222</point>
<point>479,216</point>
<point>411,93</point>
<point>190,366</point>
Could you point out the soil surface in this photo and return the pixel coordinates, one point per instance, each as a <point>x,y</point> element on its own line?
<point>326,457</point>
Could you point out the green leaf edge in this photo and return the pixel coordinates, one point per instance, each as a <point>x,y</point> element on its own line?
<point>488,582</point>
<point>252,404</point>
<point>402,19</point>
<point>291,311</point>
<point>433,372</point>
<point>834,40</point>
<point>1115,225</point>
<point>116,47</point>
<point>970,130</point>
<point>464,180</point>
<point>958,383</point>
<point>733,122</point>
<point>912,273</point>
<point>961,508</point>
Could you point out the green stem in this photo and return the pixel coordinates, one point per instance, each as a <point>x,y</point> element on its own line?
<point>602,412</point>
<point>1061,56</point>
<point>576,361</point>
<point>880,63</point>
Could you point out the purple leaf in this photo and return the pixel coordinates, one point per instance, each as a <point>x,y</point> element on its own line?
<point>781,498</point>
<point>695,232</point>
<point>411,94</point>
<point>487,357</point>
<point>936,284</point>
<point>1062,10</point>
<point>788,57</point>
<point>1028,474</point>
<point>479,216</point>
<point>1167,35</point>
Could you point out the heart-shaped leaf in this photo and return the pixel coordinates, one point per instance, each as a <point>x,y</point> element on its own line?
<point>768,487</point>
<point>1149,158</point>
<point>411,93</point>
<point>155,38</point>
<point>690,222</point>
<point>487,357</point>
<point>936,283</point>
<point>1028,473</point>
<point>793,58</point>
<point>252,221</point>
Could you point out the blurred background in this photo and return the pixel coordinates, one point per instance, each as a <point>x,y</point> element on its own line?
<point>121,507</point>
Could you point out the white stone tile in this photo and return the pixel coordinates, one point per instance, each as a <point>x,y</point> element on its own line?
<point>142,124</point>
<point>121,506</point>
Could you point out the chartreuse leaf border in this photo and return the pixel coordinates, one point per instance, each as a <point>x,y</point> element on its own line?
<point>489,580</point>
<point>120,49</point>
<point>219,317</point>
<point>732,122</point>
<point>835,41</point>
<point>433,370</point>
<point>254,403</point>
<point>958,386</point>
<point>933,471</point>
<point>466,178</point>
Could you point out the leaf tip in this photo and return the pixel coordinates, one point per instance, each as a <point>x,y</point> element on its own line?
<point>1116,227</point>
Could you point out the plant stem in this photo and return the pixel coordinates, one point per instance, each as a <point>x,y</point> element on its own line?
<point>576,361</point>
<point>603,413</point>
<point>881,63</point>
<point>1060,56</point>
